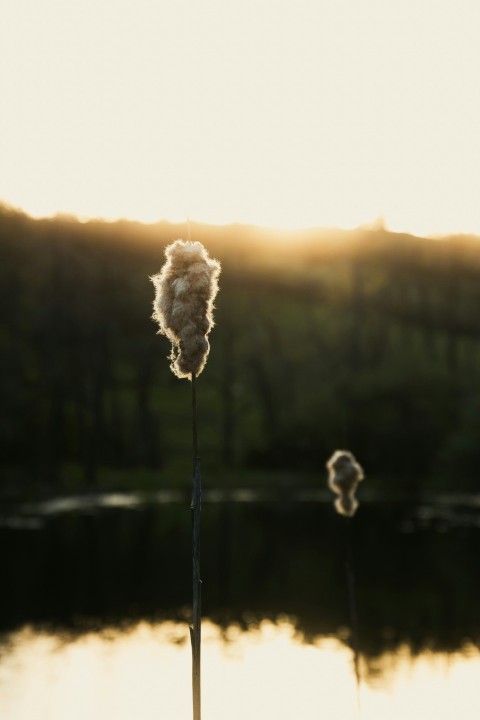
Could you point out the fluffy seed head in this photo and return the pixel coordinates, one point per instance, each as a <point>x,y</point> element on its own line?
<point>185,290</point>
<point>344,474</point>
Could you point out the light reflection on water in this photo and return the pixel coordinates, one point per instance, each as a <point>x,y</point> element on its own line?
<point>266,672</point>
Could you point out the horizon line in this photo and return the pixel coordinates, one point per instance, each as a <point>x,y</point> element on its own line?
<point>379,224</point>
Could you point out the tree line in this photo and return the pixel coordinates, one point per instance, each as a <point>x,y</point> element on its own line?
<point>363,339</point>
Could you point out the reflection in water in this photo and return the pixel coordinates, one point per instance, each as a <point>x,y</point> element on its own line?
<point>77,565</point>
<point>261,673</point>
<point>109,560</point>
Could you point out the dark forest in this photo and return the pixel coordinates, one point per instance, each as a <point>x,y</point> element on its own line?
<point>324,339</point>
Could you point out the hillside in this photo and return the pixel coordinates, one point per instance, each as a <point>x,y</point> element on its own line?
<point>363,339</point>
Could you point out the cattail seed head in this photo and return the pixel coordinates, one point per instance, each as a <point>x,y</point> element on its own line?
<point>185,290</point>
<point>344,474</point>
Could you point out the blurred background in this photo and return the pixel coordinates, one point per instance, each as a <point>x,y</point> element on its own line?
<point>362,339</point>
<point>366,340</point>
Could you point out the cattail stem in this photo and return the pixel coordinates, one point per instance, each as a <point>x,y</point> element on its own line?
<point>352,604</point>
<point>196,627</point>
<point>185,291</point>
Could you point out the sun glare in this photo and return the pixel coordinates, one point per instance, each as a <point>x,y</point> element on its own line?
<point>288,115</point>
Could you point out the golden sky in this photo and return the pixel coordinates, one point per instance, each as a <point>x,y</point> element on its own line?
<point>281,113</point>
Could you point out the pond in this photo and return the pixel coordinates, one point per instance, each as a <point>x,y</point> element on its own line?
<point>96,594</point>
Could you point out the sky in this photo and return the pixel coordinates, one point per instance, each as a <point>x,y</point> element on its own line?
<point>279,113</point>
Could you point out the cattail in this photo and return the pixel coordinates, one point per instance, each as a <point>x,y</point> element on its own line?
<point>343,478</point>
<point>344,474</point>
<point>185,290</point>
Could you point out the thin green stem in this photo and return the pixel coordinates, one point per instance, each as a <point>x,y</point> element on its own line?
<point>196,627</point>
<point>353,608</point>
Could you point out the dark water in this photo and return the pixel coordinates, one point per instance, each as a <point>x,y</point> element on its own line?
<point>86,563</point>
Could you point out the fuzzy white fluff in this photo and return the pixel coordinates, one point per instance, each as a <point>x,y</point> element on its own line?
<point>343,478</point>
<point>185,290</point>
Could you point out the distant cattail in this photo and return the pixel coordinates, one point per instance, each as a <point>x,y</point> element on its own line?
<point>185,290</point>
<point>344,475</point>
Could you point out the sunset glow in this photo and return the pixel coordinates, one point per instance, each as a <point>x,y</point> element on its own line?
<point>315,113</point>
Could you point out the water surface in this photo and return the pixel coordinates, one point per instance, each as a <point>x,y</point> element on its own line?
<point>96,603</point>
<point>265,672</point>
